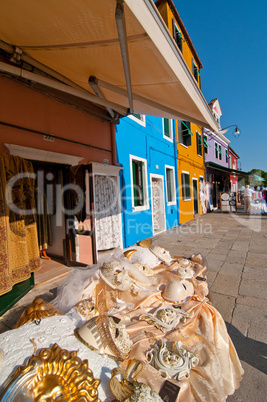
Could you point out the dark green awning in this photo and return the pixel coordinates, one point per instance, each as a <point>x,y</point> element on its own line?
<point>221,168</point>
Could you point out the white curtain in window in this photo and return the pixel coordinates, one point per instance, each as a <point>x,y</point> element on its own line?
<point>107,217</point>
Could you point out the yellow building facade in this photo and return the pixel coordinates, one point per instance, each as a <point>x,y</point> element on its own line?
<point>190,153</point>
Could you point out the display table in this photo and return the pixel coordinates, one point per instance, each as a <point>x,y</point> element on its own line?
<point>202,333</point>
<point>257,207</point>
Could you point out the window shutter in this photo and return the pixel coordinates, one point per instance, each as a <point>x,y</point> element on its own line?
<point>167,127</point>
<point>134,183</point>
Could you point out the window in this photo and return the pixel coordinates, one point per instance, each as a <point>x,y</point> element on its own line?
<point>139,182</point>
<point>230,161</point>
<point>186,186</point>
<point>226,156</point>
<point>220,152</point>
<point>170,185</point>
<point>167,129</point>
<point>177,36</point>
<point>205,140</point>
<point>216,150</point>
<point>199,144</point>
<point>138,118</point>
<point>185,133</point>
<point>195,70</point>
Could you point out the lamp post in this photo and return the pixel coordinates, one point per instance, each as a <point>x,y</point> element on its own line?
<point>236,132</point>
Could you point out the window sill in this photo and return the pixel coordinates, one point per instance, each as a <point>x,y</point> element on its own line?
<point>170,139</point>
<point>171,203</point>
<point>185,146</point>
<point>141,208</point>
<point>187,199</point>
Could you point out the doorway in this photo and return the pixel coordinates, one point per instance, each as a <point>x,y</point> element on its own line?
<point>195,196</point>
<point>106,206</point>
<point>158,206</point>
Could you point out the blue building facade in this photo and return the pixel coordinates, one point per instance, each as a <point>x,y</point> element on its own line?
<point>146,149</point>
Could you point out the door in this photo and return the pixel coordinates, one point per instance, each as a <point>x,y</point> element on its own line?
<point>195,196</point>
<point>158,210</point>
<point>107,212</point>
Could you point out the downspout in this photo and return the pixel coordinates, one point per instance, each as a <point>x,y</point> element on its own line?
<point>113,130</point>
<point>113,144</point>
<point>176,171</point>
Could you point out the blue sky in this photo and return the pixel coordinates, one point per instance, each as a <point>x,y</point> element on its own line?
<point>230,38</point>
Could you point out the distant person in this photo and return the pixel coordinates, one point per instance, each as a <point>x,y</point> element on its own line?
<point>247,197</point>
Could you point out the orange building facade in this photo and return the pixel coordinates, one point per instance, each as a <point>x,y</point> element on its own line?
<point>191,166</point>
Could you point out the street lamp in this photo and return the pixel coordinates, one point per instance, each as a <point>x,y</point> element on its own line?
<point>236,132</point>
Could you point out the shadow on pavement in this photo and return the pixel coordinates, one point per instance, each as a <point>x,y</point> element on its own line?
<point>250,351</point>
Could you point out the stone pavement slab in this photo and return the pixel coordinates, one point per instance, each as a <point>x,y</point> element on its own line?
<point>253,288</point>
<point>226,285</point>
<point>250,322</point>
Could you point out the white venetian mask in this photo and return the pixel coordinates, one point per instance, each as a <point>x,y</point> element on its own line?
<point>162,254</point>
<point>115,275</point>
<point>178,291</point>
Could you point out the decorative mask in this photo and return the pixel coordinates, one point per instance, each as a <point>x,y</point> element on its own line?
<point>105,335</point>
<point>172,362</point>
<point>197,258</point>
<point>185,271</point>
<point>128,389</point>
<point>86,308</point>
<point>115,275</point>
<point>166,318</point>
<point>178,291</point>
<point>37,310</point>
<point>162,254</point>
<point>53,375</point>
<point>144,268</point>
<point>129,253</point>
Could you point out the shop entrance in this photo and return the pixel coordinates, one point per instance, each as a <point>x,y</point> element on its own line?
<point>158,210</point>
<point>195,196</point>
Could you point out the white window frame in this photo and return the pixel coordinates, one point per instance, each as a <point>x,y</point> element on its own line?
<point>171,130</point>
<point>230,161</point>
<point>141,121</point>
<point>186,199</point>
<point>166,186</point>
<point>146,200</point>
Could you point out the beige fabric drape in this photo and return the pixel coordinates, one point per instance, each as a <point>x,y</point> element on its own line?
<point>19,254</point>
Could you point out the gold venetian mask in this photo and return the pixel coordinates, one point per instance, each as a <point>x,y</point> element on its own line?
<point>54,374</point>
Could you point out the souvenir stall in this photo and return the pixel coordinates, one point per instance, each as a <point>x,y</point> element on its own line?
<point>138,326</point>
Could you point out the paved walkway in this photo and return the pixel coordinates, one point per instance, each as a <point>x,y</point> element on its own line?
<point>235,246</point>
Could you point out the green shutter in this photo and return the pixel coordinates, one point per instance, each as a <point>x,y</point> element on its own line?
<point>186,186</point>
<point>134,182</point>
<point>170,189</point>
<point>167,128</point>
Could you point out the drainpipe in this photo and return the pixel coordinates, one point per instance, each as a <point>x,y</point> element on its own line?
<point>176,171</point>
<point>113,144</point>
